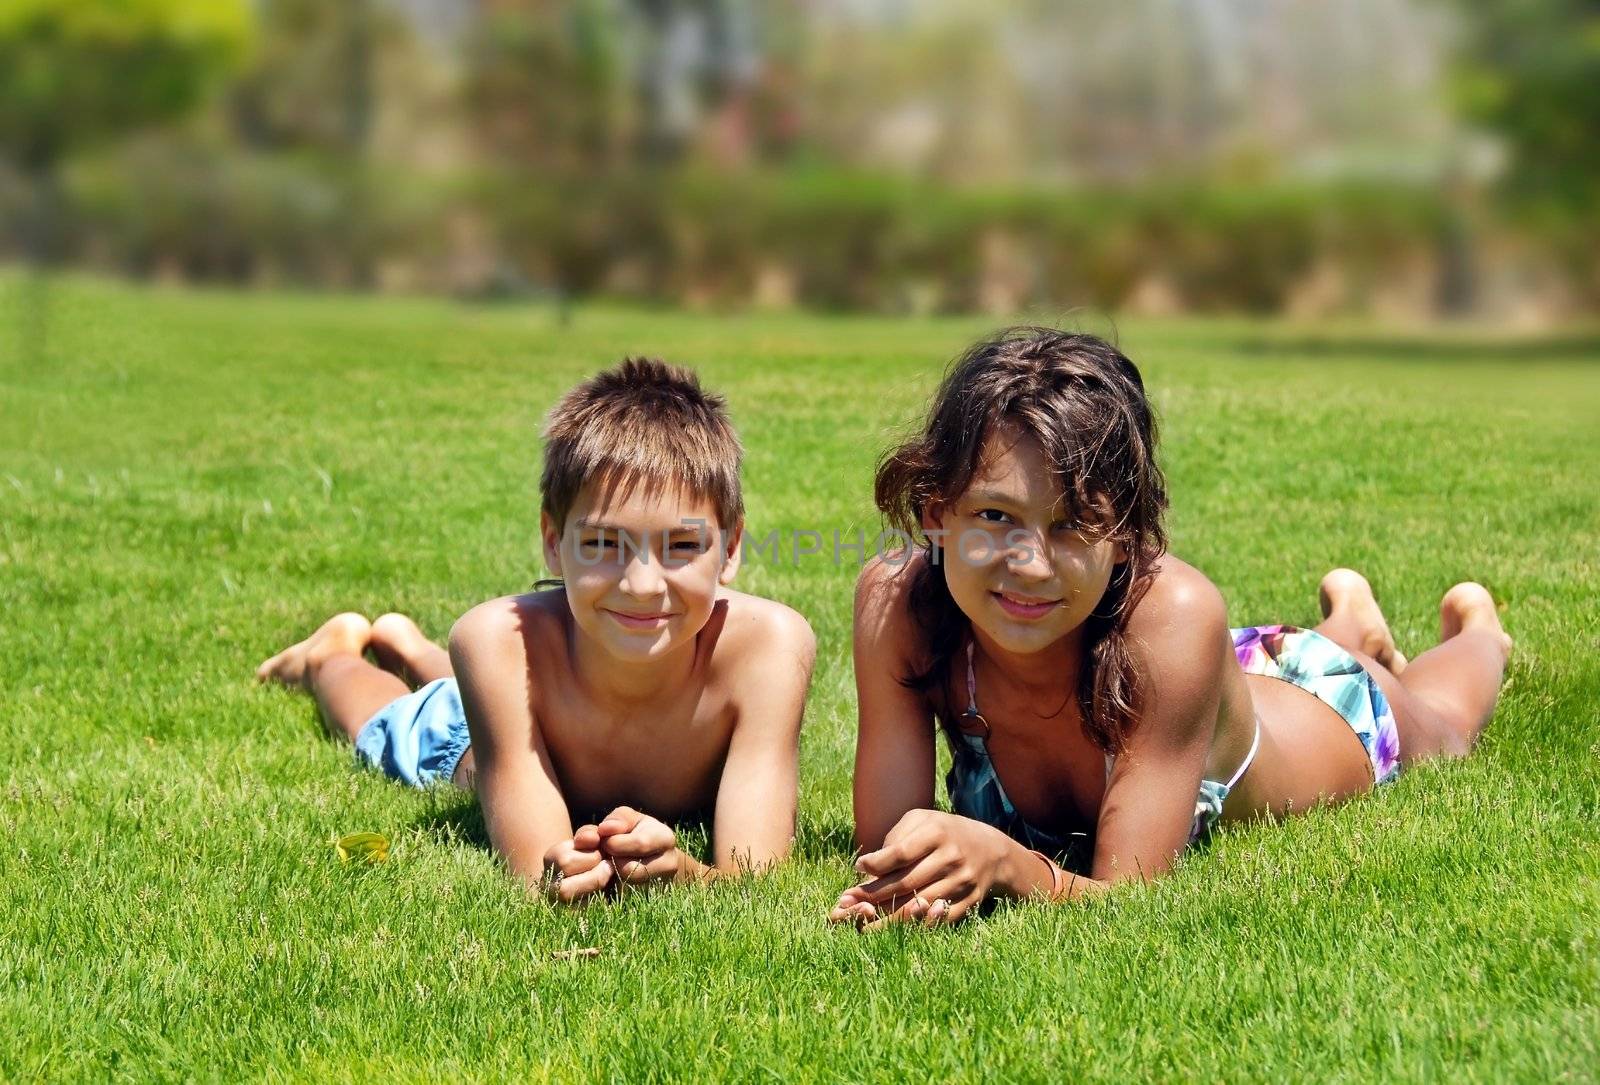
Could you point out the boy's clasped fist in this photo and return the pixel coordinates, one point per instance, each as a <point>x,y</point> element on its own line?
<point>626,846</point>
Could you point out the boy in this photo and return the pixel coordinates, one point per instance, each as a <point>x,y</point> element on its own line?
<point>641,691</point>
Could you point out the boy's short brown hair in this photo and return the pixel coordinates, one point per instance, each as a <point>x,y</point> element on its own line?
<point>641,422</point>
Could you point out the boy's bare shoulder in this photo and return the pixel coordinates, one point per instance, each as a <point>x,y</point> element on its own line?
<point>505,629</point>
<point>754,627</point>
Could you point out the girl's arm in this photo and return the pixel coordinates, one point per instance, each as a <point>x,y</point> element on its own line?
<point>1179,641</point>
<point>894,732</point>
<point>934,867</point>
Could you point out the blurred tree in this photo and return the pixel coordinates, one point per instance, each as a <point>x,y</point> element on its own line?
<point>542,85</point>
<point>1530,70</point>
<point>74,71</point>
<point>310,81</point>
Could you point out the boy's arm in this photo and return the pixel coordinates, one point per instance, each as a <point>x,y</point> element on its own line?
<point>755,811</point>
<point>522,804</point>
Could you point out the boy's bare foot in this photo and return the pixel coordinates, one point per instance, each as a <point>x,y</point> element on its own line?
<point>1470,606</point>
<point>395,640</point>
<point>1347,592</point>
<point>342,633</point>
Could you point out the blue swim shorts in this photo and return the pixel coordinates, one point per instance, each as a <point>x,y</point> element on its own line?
<point>417,739</point>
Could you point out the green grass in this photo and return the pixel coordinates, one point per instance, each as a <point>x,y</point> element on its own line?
<point>187,481</point>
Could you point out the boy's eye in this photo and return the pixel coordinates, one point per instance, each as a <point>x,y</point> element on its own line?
<point>688,546</point>
<point>600,543</point>
<point>993,516</point>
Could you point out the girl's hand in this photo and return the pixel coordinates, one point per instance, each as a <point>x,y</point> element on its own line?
<point>573,872</point>
<point>933,868</point>
<point>639,848</point>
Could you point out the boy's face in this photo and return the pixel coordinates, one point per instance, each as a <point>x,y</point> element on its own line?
<point>641,571</point>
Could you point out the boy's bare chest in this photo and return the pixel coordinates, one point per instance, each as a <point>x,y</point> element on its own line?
<point>665,760</point>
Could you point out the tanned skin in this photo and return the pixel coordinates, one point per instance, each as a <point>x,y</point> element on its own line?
<point>1027,606</point>
<point>643,692</point>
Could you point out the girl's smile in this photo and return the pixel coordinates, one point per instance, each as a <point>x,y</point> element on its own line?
<point>1023,607</point>
<point>1025,573</point>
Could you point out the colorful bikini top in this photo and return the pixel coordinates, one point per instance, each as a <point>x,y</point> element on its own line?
<point>976,791</point>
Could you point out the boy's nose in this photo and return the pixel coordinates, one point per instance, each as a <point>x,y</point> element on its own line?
<point>642,577</point>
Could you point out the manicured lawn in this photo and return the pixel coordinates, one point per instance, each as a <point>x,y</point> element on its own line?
<point>188,481</point>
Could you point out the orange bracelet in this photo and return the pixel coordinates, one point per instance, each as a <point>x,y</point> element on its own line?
<point>1056,877</point>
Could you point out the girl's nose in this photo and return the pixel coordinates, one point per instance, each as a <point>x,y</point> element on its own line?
<point>1026,556</point>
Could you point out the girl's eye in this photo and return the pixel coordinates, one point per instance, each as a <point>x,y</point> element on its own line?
<point>993,516</point>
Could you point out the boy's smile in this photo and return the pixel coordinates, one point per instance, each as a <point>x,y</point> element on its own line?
<point>640,621</point>
<point>641,565</point>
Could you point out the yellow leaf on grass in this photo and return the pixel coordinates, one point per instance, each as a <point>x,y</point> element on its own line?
<point>362,847</point>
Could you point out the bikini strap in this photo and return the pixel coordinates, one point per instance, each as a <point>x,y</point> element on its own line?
<point>1255,744</point>
<point>972,683</point>
<point>972,718</point>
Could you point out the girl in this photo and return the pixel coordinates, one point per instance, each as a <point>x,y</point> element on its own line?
<point>1100,712</point>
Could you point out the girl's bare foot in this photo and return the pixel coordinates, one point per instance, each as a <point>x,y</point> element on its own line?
<point>1346,595</point>
<point>340,634</point>
<point>1469,606</point>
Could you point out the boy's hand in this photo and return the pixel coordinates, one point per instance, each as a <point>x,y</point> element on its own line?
<point>573,872</point>
<point>641,849</point>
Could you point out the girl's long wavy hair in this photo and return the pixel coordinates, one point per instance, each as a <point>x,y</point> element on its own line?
<point>1084,402</point>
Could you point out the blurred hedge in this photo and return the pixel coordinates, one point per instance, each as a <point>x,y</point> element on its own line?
<point>819,239</point>
<point>862,242</point>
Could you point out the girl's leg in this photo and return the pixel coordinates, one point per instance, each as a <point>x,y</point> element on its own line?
<point>1444,697</point>
<point>1457,682</point>
<point>403,649</point>
<point>1352,619</point>
<point>329,666</point>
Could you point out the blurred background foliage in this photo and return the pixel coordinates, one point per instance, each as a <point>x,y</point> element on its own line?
<point>1398,158</point>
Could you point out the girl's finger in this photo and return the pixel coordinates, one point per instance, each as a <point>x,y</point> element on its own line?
<point>960,907</point>
<point>899,911</point>
<point>893,856</point>
<point>908,881</point>
<point>864,915</point>
<point>587,838</point>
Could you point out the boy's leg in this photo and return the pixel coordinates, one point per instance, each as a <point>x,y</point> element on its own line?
<point>328,665</point>
<point>403,649</point>
<point>1352,619</point>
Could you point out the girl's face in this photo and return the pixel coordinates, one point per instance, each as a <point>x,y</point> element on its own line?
<point>641,572</point>
<point>1022,572</point>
